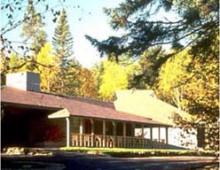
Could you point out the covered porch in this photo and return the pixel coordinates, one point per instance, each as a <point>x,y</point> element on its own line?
<point>97,132</point>
<point>28,126</point>
<point>47,120</point>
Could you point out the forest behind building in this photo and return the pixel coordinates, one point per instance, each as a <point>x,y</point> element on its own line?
<point>178,58</point>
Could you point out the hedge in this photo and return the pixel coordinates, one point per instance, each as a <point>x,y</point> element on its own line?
<point>130,152</point>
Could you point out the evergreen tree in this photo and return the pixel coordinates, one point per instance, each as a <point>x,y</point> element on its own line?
<point>33,32</point>
<point>196,25</point>
<point>70,80</point>
<point>33,28</point>
<point>63,44</point>
<point>149,63</point>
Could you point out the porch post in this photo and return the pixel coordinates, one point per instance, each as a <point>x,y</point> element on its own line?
<point>114,134</point>
<point>133,143</point>
<point>124,129</point>
<point>142,130</point>
<point>151,133</point>
<point>67,131</point>
<point>103,132</point>
<point>167,135</point>
<point>81,132</point>
<point>92,126</point>
<point>92,132</point>
<point>133,129</point>
<point>114,128</point>
<point>124,134</point>
<point>159,134</point>
<point>142,135</point>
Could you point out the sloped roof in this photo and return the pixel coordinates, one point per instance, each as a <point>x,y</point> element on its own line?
<point>75,107</point>
<point>145,103</point>
<point>94,101</point>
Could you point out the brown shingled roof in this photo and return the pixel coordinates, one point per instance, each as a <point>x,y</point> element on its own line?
<point>75,107</point>
<point>93,101</point>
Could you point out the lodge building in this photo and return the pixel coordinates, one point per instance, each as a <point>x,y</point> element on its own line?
<point>33,118</point>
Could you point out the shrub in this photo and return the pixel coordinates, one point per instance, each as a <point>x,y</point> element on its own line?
<point>130,152</point>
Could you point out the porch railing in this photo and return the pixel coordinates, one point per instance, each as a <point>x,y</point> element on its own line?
<point>88,140</point>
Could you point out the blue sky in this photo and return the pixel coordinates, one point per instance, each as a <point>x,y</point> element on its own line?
<point>87,17</point>
<point>84,17</point>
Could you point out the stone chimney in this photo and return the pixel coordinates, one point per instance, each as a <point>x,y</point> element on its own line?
<point>24,80</point>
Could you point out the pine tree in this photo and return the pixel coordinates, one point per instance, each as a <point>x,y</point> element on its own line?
<point>33,32</point>
<point>196,25</point>
<point>32,28</point>
<point>63,44</point>
<point>62,40</point>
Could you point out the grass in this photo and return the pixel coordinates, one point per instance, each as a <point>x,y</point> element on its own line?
<point>130,152</point>
<point>25,151</point>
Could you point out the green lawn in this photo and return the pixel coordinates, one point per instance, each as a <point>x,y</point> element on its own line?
<point>130,152</point>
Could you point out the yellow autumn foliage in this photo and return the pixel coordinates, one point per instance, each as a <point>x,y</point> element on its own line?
<point>172,77</point>
<point>193,84</point>
<point>46,67</point>
<point>114,77</point>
